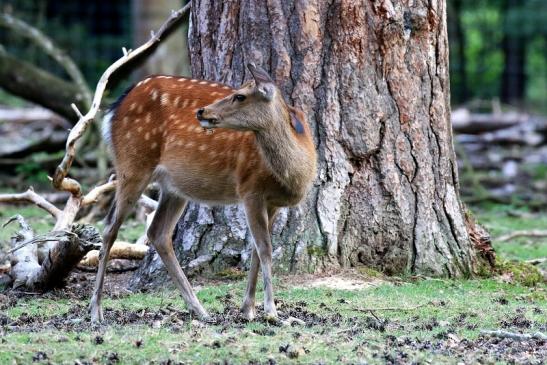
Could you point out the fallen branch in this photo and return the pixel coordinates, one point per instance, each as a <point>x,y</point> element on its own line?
<point>528,233</point>
<point>537,261</point>
<point>120,250</point>
<point>84,120</point>
<point>114,266</point>
<point>399,309</point>
<point>515,336</point>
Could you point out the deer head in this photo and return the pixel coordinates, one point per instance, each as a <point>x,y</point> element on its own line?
<point>252,107</point>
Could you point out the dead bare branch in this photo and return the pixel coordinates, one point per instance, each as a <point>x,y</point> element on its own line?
<point>93,195</point>
<point>536,233</point>
<point>84,121</point>
<point>148,203</point>
<point>31,197</point>
<point>51,49</point>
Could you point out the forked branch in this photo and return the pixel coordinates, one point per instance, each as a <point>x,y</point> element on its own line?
<point>84,120</point>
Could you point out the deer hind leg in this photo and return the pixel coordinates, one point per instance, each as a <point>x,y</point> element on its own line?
<point>248,308</point>
<point>160,232</point>
<point>257,218</point>
<point>127,194</point>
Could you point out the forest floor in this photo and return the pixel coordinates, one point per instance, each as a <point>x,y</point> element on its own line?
<point>352,317</point>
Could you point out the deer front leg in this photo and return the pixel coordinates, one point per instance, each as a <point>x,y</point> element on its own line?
<point>248,308</point>
<point>257,218</point>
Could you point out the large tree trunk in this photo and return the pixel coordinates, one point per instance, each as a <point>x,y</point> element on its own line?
<point>372,77</point>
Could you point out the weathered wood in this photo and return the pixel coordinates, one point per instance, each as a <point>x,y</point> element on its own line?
<point>120,250</point>
<point>28,271</point>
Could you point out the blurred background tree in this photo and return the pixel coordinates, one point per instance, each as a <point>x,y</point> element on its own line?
<point>499,50</point>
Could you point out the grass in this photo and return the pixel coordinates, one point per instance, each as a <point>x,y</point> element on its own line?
<point>483,304</point>
<point>502,219</point>
<point>432,313</point>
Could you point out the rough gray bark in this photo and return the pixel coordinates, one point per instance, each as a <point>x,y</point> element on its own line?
<point>372,77</point>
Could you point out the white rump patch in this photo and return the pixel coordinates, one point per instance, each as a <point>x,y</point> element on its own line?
<point>106,128</point>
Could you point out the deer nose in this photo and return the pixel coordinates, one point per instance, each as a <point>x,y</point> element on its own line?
<point>199,114</point>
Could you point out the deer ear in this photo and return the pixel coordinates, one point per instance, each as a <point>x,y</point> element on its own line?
<point>264,83</point>
<point>260,76</point>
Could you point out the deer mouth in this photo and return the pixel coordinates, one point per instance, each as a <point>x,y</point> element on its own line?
<point>208,123</point>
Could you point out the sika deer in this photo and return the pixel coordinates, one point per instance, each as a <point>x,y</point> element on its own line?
<point>261,154</point>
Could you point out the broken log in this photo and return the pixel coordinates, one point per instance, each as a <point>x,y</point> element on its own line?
<point>120,250</point>
<point>29,272</point>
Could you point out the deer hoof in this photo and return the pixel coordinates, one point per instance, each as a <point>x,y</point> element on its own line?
<point>249,313</point>
<point>96,314</point>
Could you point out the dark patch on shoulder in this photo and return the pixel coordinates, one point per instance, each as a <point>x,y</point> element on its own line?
<point>297,124</point>
<point>114,106</point>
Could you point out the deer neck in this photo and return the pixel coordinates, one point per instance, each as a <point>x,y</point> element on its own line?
<point>288,160</point>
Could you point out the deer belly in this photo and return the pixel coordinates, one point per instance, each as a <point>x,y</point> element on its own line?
<point>211,187</point>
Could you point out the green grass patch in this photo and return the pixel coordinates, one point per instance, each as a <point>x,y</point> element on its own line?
<point>339,328</point>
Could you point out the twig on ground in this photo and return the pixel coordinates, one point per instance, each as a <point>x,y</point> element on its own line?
<point>515,336</point>
<point>537,261</point>
<point>401,309</point>
<point>531,233</point>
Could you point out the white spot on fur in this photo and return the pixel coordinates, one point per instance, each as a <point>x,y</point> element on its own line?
<point>176,101</point>
<point>185,103</point>
<point>139,109</point>
<point>153,145</point>
<point>203,82</point>
<point>202,147</point>
<point>154,94</point>
<point>164,99</point>
<point>193,80</point>
<point>214,85</point>
<point>132,106</point>
<point>146,136</point>
<point>147,118</point>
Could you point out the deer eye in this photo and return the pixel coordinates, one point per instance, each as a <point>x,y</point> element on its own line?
<point>239,97</point>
